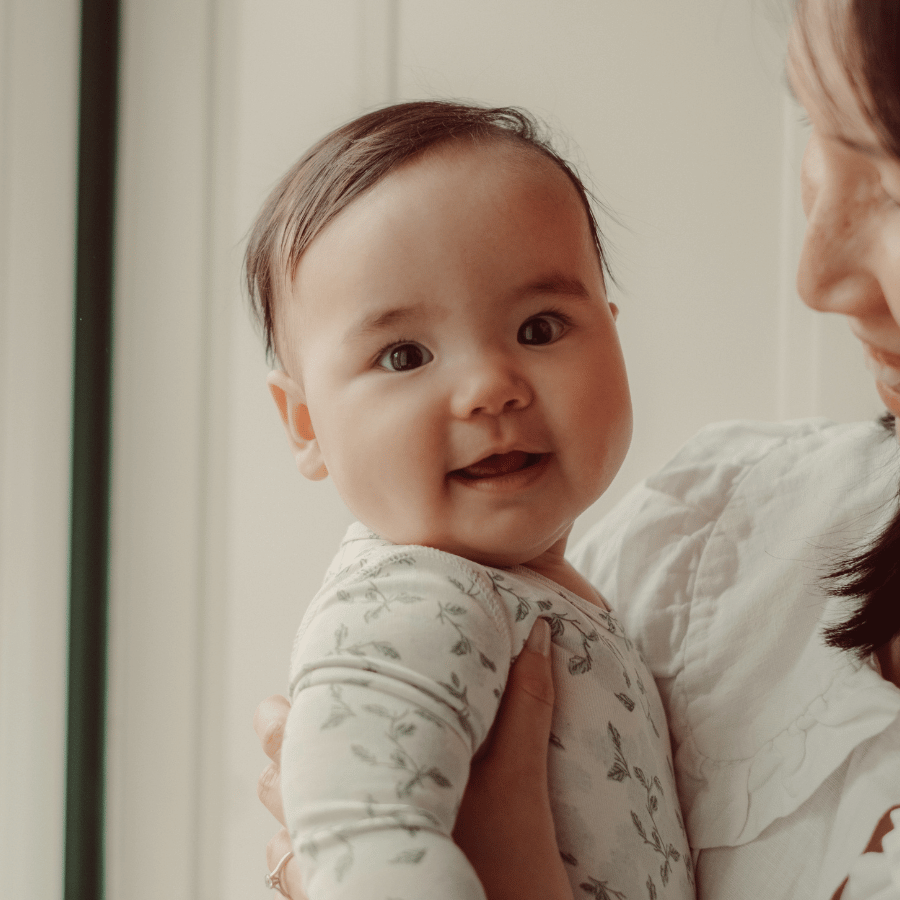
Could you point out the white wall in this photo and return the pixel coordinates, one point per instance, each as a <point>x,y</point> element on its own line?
<point>675,111</point>
<point>38,116</point>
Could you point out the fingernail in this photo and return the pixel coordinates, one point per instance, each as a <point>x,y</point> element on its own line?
<point>539,639</point>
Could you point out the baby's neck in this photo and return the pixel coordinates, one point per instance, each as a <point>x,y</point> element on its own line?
<point>557,568</point>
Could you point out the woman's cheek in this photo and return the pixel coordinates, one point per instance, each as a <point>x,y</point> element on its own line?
<point>810,175</point>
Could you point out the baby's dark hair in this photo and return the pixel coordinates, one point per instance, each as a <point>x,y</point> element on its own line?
<point>353,158</point>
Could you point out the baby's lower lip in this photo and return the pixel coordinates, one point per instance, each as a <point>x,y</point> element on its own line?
<point>498,465</point>
<point>510,476</point>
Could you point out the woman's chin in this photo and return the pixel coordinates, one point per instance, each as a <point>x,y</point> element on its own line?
<point>890,396</point>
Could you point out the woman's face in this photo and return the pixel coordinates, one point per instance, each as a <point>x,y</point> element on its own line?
<point>851,196</point>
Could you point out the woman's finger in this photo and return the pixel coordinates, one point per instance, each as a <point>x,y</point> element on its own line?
<point>289,876</point>
<point>504,825</point>
<point>268,721</point>
<point>522,727</point>
<point>268,789</point>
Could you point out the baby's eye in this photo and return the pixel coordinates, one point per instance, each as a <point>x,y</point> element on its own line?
<point>404,357</point>
<point>541,329</point>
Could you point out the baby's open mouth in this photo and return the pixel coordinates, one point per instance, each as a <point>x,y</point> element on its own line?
<point>499,464</point>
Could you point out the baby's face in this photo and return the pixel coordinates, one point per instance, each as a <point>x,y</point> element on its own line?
<point>450,336</point>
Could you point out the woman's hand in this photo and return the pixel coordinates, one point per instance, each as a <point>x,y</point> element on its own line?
<point>269,721</point>
<point>504,824</point>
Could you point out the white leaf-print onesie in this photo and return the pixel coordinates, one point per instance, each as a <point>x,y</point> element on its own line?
<point>396,676</point>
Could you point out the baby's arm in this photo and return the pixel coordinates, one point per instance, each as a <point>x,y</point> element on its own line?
<point>504,825</point>
<point>399,672</point>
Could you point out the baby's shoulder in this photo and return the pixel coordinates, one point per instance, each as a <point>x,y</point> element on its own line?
<point>366,558</point>
<point>386,607</point>
<point>376,578</point>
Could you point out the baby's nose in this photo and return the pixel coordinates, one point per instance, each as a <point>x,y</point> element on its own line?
<point>490,388</point>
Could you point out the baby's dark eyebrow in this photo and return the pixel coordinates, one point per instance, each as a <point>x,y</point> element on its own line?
<point>383,319</point>
<point>557,284</point>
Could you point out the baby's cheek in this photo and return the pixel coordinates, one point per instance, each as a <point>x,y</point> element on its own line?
<point>382,495</point>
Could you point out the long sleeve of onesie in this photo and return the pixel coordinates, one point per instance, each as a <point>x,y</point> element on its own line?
<point>397,672</point>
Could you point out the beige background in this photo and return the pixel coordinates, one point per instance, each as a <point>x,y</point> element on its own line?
<point>677,114</point>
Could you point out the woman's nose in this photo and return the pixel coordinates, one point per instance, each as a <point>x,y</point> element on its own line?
<point>490,386</point>
<point>835,274</point>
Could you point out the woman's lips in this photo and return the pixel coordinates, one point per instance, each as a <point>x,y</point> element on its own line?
<point>884,366</point>
<point>890,397</point>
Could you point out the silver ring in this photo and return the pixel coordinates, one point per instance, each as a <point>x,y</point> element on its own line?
<point>273,880</point>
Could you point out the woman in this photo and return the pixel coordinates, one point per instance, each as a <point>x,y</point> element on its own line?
<point>787,749</point>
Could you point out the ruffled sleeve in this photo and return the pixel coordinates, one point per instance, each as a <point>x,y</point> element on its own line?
<point>644,555</point>
<point>876,876</point>
<point>714,566</point>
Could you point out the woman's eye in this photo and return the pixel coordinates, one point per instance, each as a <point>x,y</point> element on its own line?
<point>541,330</point>
<point>404,357</point>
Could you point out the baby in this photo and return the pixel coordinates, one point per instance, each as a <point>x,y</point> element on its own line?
<point>431,280</point>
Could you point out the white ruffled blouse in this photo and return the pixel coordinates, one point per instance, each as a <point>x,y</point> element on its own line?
<point>787,752</point>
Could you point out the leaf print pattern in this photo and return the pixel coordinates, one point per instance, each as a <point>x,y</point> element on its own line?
<point>339,709</point>
<point>382,648</point>
<point>600,890</point>
<point>344,861</point>
<point>449,614</point>
<point>379,602</point>
<point>669,853</point>
<point>456,629</point>
<point>459,692</point>
<point>619,769</point>
<point>398,728</point>
<point>578,665</point>
<point>653,790</point>
<point>522,604</point>
<point>645,705</point>
<point>410,857</point>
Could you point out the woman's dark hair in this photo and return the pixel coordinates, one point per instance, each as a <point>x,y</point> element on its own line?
<point>871,578</point>
<point>876,40</point>
<point>353,158</point>
<point>866,35</point>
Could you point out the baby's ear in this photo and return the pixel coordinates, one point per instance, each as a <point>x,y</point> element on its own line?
<point>615,311</point>
<point>291,403</point>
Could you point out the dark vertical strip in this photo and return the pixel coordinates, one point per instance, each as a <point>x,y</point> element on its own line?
<point>85,757</point>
